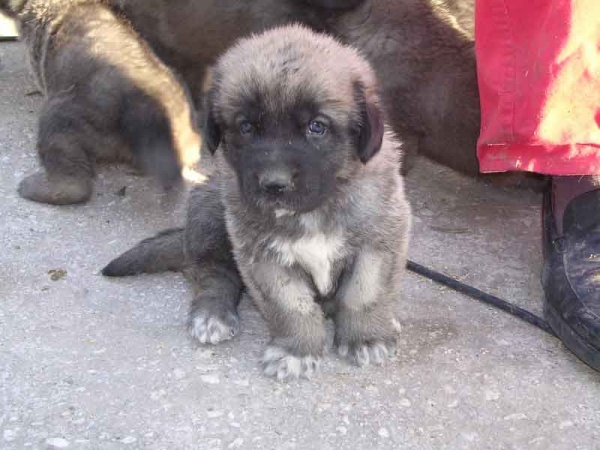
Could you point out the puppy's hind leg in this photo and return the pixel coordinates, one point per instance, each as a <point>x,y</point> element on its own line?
<point>66,150</point>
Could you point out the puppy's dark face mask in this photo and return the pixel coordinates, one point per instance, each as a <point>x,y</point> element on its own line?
<point>292,155</point>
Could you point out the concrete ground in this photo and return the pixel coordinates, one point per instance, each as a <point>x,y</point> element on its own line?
<point>93,363</point>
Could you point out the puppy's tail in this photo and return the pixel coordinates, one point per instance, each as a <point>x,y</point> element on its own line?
<point>161,253</point>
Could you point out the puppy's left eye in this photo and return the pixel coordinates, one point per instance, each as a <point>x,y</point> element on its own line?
<point>317,127</point>
<point>246,127</point>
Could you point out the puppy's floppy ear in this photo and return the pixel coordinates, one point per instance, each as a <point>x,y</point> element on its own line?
<point>212,131</point>
<point>370,127</point>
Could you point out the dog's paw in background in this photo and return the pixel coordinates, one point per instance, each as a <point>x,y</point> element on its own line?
<point>281,364</point>
<point>38,187</point>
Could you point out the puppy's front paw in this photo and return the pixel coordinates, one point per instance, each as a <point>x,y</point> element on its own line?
<point>365,354</point>
<point>212,329</point>
<point>280,363</point>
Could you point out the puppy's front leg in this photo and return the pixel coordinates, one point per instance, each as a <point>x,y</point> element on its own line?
<point>295,320</point>
<point>365,322</point>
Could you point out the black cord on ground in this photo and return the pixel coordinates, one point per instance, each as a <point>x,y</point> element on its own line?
<point>484,297</point>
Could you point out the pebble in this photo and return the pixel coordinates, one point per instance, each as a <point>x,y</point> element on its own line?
<point>565,424</point>
<point>214,414</point>
<point>57,442</point>
<point>210,379</point>
<point>129,440</point>
<point>471,436</point>
<point>384,433</point>
<point>242,382</point>
<point>405,403</point>
<point>516,416</point>
<point>206,354</point>
<point>155,395</point>
<point>9,435</point>
<point>214,444</point>
<point>179,374</point>
<point>492,395</point>
<point>237,443</point>
<point>342,430</point>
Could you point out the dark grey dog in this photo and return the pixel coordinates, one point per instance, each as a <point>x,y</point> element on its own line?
<point>307,197</point>
<point>108,97</point>
<point>421,50</point>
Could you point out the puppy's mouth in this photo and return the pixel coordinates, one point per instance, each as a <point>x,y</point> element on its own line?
<point>280,198</point>
<point>292,204</point>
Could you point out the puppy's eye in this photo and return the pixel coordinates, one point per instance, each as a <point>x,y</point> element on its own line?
<point>317,127</point>
<point>246,127</point>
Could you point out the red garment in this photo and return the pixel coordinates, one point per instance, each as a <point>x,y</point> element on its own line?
<point>538,64</point>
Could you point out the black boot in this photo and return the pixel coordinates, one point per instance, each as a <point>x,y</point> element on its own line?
<point>571,274</point>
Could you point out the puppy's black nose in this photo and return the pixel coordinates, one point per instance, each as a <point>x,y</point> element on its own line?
<point>276,182</point>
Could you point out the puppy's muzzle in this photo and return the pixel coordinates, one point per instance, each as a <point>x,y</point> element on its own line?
<point>276,182</point>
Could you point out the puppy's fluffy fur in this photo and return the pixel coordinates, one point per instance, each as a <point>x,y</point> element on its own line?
<point>108,97</point>
<point>306,209</point>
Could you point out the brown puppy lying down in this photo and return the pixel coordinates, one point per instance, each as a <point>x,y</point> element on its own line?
<point>306,209</point>
<point>108,97</point>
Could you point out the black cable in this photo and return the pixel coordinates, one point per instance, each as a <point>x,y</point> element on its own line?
<point>484,297</point>
<point>8,38</point>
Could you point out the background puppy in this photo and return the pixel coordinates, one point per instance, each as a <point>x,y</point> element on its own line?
<point>307,196</point>
<point>108,97</point>
<point>422,51</point>
<point>191,34</point>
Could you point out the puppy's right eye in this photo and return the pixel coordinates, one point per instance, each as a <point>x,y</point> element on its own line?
<point>246,127</point>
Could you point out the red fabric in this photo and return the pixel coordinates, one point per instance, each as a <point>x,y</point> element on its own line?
<point>538,66</point>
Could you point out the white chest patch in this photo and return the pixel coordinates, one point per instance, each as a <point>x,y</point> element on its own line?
<point>316,253</point>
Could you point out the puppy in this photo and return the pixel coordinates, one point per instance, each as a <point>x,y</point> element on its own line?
<point>108,97</point>
<point>306,208</point>
<point>422,51</point>
<point>419,49</point>
<point>191,35</point>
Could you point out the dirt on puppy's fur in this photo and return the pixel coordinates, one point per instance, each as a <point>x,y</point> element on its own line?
<point>306,209</point>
